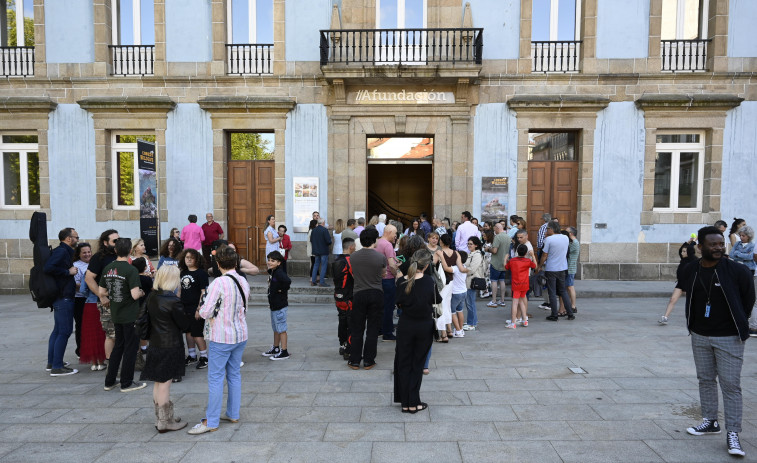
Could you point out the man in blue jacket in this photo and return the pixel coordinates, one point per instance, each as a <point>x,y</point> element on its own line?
<point>719,299</point>
<point>320,240</point>
<point>60,265</point>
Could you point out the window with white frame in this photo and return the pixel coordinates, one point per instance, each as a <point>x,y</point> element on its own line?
<point>555,20</point>
<point>133,22</point>
<point>401,14</point>
<point>250,21</point>
<point>124,170</point>
<point>684,19</point>
<point>18,28</point>
<point>20,180</point>
<point>679,172</point>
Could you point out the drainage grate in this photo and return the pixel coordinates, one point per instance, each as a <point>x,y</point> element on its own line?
<point>578,370</point>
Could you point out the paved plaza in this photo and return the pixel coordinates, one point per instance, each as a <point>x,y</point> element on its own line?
<point>495,396</point>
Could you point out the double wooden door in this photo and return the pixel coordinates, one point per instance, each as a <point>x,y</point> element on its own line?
<point>250,201</point>
<point>552,188</point>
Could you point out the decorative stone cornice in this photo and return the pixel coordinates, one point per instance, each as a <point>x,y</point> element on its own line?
<point>27,104</point>
<point>129,104</point>
<point>559,103</point>
<point>249,104</point>
<point>686,102</point>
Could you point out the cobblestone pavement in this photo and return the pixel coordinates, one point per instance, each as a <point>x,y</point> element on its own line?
<point>496,395</point>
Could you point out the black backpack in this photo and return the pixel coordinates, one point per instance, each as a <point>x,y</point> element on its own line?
<point>42,286</point>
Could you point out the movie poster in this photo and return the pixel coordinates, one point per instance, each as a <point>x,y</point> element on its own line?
<point>148,196</point>
<point>306,196</point>
<point>494,197</point>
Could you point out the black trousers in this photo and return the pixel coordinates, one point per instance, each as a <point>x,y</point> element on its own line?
<point>127,343</point>
<point>414,339</point>
<point>344,311</point>
<point>367,309</point>
<point>78,316</point>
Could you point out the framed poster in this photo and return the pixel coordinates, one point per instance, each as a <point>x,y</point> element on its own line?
<point>494,197</point>
<point>306,195</point>
<point>148,197</point>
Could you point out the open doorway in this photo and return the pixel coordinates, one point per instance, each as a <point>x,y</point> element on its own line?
<point>400,174</point>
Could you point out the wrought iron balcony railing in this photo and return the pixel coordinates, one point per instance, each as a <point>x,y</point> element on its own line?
<point>401,46</point>
<point>249,58</point>
<point>556,56</point>
<point>16,61</point>
<point>684,55</point>
<point>132,60</point>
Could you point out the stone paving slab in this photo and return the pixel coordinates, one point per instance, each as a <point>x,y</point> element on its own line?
<point>494,395</point>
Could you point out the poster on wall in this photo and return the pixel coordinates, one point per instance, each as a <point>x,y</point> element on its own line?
<point>306,196</point>
<point>148,196</point>
<point>494,197</point>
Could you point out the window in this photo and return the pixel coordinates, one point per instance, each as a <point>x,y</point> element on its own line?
<point>250,21</point>
<point>400,14</point>
<point>20,179</point>
<point>556,146</point>
<point>133,22</point>
<point>555,20</point>
<point>679,172</point>
<point>408,149</point>
<point>124,169</point>
<point>252,146</point>
<point>684,19</point>
<point>19,28</point>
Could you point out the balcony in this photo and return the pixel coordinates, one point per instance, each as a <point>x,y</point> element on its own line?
<point>16,61</point>
<point>554,56</point>
<point>440,52</point>
<point>249,59</point>
<point>132,60</point>
<point>684,55</point>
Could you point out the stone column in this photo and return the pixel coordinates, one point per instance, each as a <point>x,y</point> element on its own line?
<point>717,32</point>
<point>343,202</point>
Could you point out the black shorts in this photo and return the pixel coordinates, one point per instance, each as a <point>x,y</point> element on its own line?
<point>196,327</point>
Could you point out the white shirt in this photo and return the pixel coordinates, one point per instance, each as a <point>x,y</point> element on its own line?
<point>458,281</point>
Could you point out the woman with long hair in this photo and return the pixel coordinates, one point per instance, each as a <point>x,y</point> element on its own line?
<point>82,255</point>
<point>194,283</point>
<point>338,229</point>
<point>224,312</point>
<point>92,348</point>
<point>416,294</point>
<point>374,221</point>
<point>414,229</point>
<point>271,235</point>
<point>138,251</point>
<point>169,252</point>
<point>733,233</point>
<point>165,354</point>
<point>475,266</point>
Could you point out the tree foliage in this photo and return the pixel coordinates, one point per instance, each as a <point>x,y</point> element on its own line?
<point>11,22</point>
<point>249,146</point>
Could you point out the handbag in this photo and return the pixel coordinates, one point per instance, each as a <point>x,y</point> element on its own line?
<point>478,283</point>
<point>437,307</point>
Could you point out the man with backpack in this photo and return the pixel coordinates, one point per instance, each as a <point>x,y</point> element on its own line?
<point>60,266</point>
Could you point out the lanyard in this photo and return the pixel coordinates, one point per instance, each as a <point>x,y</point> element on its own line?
<point>708,290</point>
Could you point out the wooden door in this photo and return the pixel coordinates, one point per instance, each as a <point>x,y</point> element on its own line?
<point>552,188</point>
<point>250,201</point>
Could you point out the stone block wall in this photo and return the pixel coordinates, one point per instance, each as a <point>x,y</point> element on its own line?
<point>15,264</point>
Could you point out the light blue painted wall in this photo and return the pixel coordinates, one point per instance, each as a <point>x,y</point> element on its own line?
<point>304,20</point>
<point>495,151</point>
<point>69,31</point>
<point>738,188</point>
<point>622,29</point>
<point>742,17</point>
<point>188,31</point>
<point>618,174</point>
<point>189,166</point>
<point>306,155</point>
<point>501,22</point>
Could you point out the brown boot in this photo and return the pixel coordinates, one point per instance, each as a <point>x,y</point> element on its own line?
<point>166,422</point>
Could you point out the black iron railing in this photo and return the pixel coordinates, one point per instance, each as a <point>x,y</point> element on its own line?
<point>401,46</point>
<point>249,58</point>
<point>684,55</point>
<point>556,56</point>
<point>16,61</point>
<point>378,206</point>
<point>132,60</point>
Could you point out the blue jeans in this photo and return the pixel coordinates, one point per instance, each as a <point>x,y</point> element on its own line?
<point>387,320</point>
<point>458,302</point>
<point>224,360</point>
<point>470,302</point>
<point>321,262</point>
<point>428,359</point>
<point>63,311</point>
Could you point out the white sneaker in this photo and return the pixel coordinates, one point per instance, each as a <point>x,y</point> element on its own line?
<point>510,326</point>
<point>458,334</point>
<point>469,328</point>
<point>502,304</point>
<point>492,304</point>
<point>663,320</point>
<point>544,305</point>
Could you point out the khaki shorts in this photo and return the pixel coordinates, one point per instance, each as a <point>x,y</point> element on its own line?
<point>107,321</point>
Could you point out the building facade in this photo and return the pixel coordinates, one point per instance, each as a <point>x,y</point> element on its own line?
<point>632,120</point>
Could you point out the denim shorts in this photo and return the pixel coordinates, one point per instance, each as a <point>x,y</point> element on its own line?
<point>458,302</point>
<point>279,320</point>
<point>570,279</point>
<point>496,275</point>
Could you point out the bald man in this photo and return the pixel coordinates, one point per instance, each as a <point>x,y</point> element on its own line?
<point>385,246</point>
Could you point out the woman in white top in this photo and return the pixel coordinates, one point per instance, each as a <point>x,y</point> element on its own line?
<point>338,229</point>
<point>272,237</point>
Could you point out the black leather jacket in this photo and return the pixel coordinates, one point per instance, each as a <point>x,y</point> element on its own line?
<point>167,319</point>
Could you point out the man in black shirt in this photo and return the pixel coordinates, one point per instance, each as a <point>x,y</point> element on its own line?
<point>106,253</point>
<point>60,266</point>
<point>719,299</point>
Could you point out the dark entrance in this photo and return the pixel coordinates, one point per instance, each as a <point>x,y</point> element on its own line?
<point>400,175</point>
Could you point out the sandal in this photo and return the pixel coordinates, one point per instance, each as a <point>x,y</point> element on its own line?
<point>419,408</point>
